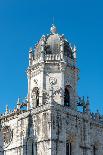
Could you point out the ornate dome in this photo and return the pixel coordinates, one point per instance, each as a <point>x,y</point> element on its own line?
<point>51,44</point>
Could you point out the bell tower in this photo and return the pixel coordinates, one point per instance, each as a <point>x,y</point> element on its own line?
<point>52,73</point>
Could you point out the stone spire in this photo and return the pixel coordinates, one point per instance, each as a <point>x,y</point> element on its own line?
<point>74,51</point>
<point>7,109</point>
<point>18,103</point>
<point>53,29</point>
<point>87,105</point>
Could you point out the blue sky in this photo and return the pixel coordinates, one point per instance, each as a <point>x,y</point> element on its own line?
<point>22,22</point>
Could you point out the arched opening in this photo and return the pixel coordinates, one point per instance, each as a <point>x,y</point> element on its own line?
<point>94,150</point>
<point>68,148</point>
<point>67,96</point>
<point>30,147</point>
<point>71,143</point>
<point>35,96</point>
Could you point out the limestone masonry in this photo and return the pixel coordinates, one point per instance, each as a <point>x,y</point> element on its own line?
<point>49,121</point>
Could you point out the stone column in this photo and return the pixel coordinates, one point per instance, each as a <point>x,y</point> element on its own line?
<point>62,50</point>
<point>41,85</point>
<point>62,83</point>
<point>87,136</point>
<point>75,146</point>
<point>29,87</point>
<point>30,56</point>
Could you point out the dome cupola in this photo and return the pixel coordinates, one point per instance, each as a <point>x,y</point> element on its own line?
<point>53,44</point>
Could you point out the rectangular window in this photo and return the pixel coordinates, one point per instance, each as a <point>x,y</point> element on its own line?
<point>68,148</point>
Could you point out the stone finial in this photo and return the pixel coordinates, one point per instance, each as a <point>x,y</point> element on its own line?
<point>93,115</point>
<point>74,51</point>
<point>97,115</point>
<point>42,43</point>
<point>61,45</point>
<point>7,109</point>
<point>87,105</point>
<point>30,50</point>
<point>18,103</point>
<point>53,29</point>
<point>83,104</point>
<point>43,38</point>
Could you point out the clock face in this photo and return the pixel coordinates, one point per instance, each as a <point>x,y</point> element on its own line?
<point>7,135</point>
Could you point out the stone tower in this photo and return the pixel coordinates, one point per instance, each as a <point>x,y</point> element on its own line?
<point>49,122</point>
<point>52,82</point>
<point>52,72</point>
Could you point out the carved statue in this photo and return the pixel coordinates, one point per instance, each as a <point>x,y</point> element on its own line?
<point>45,96</point>
<point>35,96</point>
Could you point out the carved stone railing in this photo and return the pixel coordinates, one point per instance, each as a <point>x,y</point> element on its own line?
<point>52,57</point>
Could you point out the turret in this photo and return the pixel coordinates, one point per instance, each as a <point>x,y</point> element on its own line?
<point>52,58</point>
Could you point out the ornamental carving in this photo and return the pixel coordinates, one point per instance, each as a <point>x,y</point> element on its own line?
<point>45,96</point>
<point>35,81</point>
<point>7,135</point>
<point>52,80</point>
<point>35,96</point>
<point>59,91</point>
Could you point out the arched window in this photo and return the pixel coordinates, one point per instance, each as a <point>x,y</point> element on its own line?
<point>68,148</point>
<point>67,96</point>
<point>30,147</point>
<point>94,150</point>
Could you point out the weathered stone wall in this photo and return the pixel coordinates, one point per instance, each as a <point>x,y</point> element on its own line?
<point>45,131</point>
<point>51,123</point>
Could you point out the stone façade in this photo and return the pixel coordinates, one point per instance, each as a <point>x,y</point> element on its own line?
<point>48,122</point>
